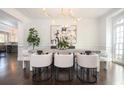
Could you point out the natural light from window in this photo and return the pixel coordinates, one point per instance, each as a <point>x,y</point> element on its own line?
<point>3,38</point>
<point>118,39</point>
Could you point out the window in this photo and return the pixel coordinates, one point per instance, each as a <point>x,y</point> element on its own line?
<point>118,39</point>
<point>3,37</point>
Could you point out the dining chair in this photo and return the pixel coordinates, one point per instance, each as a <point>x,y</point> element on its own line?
<point>63,62</point>
<point>87,67</point>
<point>25,57</point>
<point>41,66</point>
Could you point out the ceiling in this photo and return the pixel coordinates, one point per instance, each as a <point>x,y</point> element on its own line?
<point>37,13</point>
<point>7,19</point>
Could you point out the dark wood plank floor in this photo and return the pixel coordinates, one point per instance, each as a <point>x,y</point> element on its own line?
<point>11,73</point>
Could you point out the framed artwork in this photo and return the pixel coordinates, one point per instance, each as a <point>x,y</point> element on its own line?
<point>60,31</point>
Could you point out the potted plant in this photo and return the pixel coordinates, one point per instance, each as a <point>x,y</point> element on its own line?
<point>63,44</point>
<point>33,37</point>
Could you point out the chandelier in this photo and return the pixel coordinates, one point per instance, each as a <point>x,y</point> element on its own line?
<point>63,12</point>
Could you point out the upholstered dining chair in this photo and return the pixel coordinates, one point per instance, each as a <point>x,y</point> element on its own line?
<point>87,67</point>
<point>105,58</point>
<point>41,65</point>
<point>25,57</point>
<point>61,62</point>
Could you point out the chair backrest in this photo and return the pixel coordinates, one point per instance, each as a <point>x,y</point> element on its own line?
<point>88,61</point>
<point>41,60</point>
<point>63,60</point>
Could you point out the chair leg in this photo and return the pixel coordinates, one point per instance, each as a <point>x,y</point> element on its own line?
<point>96,75</point>
<point>77,69</point>
<point>87,74</point>
<point>93,74</point>
<point>70,74</point>
<point>69,70</point>
<point>51,69</point>
<point>34,74</point>
<point>56,73</point>
<point>81,71</point>
<point>47,72</point>
<point>79,74</point>
<point>38,72</point>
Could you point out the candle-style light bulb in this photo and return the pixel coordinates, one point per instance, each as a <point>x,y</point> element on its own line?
<point>44,9</point>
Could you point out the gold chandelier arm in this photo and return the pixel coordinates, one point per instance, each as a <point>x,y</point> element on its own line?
<point>63,12</point>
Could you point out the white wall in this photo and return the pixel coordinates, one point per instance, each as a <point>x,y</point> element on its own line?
<point>105,28</point>
<point>87,32</point>
<point>102,30</point>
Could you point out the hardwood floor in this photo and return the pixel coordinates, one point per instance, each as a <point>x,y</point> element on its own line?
<point>11,73</point>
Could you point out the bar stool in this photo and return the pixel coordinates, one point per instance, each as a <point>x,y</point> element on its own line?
<point>41,65</point>
<point>87,67</point>
<point>63,62</point>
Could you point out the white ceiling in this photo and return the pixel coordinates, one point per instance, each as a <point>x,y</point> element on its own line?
<point>37,13</point>
<point>7,19</point>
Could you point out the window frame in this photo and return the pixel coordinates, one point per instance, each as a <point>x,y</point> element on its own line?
<point>117,35</point>
<point>5,36</point>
